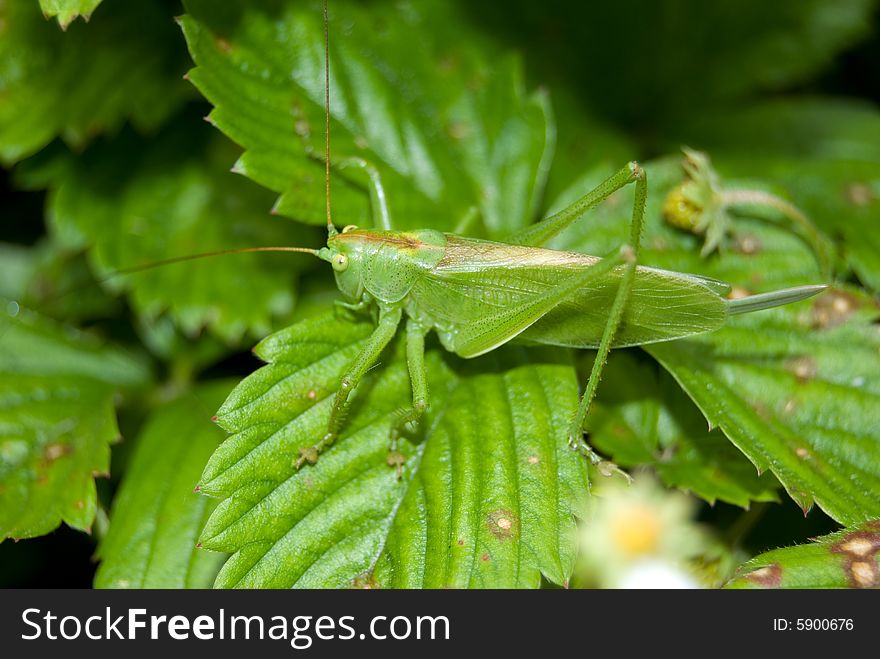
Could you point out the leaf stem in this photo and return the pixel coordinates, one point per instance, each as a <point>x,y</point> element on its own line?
<point>807,230</point>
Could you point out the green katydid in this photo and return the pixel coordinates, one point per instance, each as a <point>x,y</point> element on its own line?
<point>478,295</point>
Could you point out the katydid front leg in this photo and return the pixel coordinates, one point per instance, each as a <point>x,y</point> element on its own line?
<point>418,377</point>
<point>389,319</point>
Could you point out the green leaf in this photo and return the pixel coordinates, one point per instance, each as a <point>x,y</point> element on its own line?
<point>795,389</point>
<point>124,64</point>
<point>800,400</point>
<point>56,421</point>
<point>847,559</point>
<point>67,10</point>
<point>156,516</point>
<point>135,202</point>
<point>642,418</point>
<point>448,124</point>
<point>488,488</point>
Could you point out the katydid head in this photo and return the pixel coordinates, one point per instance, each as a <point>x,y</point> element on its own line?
<point>345,253</point>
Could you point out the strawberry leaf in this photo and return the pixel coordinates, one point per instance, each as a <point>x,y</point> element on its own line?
<point>847,559</point>
<point>156,516</point>
<point>56,421</point>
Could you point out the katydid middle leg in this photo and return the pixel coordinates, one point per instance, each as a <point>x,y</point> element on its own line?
<point>389,320</point>
<point>418,377</point>
<point>543,231</point>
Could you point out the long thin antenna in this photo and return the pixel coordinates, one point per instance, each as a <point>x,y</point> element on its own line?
<point>205,255</point>
<point>177,259</point>
<point>327,114</point>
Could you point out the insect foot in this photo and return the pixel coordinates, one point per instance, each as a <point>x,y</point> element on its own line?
<point>605,467</point>
<point>396,459</point>
<point>310,453</point>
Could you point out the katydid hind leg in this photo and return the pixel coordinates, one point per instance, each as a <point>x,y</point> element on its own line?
<point>631,253</point>
<point>541,232</point>
<point>418,376</point>
<point>381,336</point>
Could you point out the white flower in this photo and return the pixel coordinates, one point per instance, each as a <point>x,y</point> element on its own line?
<point>639,536</point>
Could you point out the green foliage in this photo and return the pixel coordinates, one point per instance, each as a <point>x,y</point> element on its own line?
<point>642,418</point>
<point>56,421</point>
<point>802,402</point>
<point>436,96</point>
<point>177,199</point>
<point>447,128</point>
<point>847,559</point>
<point>156,515</point>
<point>58,83</point>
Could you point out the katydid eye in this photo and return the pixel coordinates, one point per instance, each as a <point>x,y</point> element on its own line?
<point>340,262</point>
<point>350,227</point>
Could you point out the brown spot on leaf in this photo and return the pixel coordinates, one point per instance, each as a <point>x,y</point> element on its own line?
<point>748,244</point>
<point>859,194</point>
<point>859,550</point>
<point>484,557</point>
<point>864,574</point>
<point>302,128</point>
<point>461,542</point>
<point>54,451</point>
<point>833,309</point>
<point>503,523</point>
<point>366,581</point>
<point>660,243</point>
<point>769,576</point>
<point>222,45</point>
<point>533,459</point>
<point>860,545</point>
<point>312,395</point>
<point>458,130</point>
<point>804,368</point>
<point>761,410</point>
<point>802,453</point>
